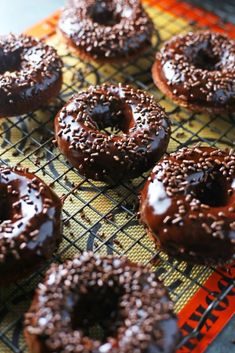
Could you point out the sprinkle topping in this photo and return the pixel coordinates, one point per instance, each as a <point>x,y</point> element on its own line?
<point>107,29</point>
<point>27,211</point>
<point>133,324</point>
<point>200,68</point>
<point>27,66</point>
<point>189,203</point>
<point>143,125</point>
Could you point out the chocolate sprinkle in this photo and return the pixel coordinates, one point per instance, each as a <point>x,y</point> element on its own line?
<point>140,317</point>
<point>30,74</point>
<point>197,70</point>
<point>106,30</point>
<point>28,235</point>
<point>188,204</point>
<point>81,135</point>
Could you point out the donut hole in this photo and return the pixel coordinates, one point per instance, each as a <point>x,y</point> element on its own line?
<point>5,205</point>
<point>10,63</point>
<point>203,57</point>
<point>97,313</point>
<point>104,13</point>
<point>113,117</point>
<point>209,189</point>
<point>5,213</point>
<point>206,60</point>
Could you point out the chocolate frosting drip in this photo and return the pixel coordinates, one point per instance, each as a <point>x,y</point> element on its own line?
<point>30,74</point>
<point>142,319</point>
<point>144,126</point>
<point>199,70</point>
<point>29,223</point>
<point>188,205</point>
<point>107,29</point>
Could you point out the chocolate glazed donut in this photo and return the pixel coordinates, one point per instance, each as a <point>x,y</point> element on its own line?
<point>197,71</point>
<point>144,126</point>
<point>188,205</point>
<point>29,223</point>
<point>122,301</point>
<point>106,30</point>
<point>30,74</point>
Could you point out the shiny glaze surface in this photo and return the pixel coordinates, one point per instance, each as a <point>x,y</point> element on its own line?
<point>30,74</point>
<point>144,126</point>
<point>106,30</point>
<point>197,70</point>
<point>192,216</point>
<point>142,319</point>
<point>29,223</point>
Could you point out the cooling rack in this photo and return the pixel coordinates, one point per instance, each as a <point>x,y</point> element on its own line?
<point>101,217</point>
<point>224,9</point>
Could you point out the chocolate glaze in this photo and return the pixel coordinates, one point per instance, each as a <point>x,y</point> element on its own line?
<point>29,223</point>
<point>125,299</point>
<point>30,74</point>
<point>97,155</point>
<point>188,205</point>
<point>106,30</point>
<point>197,70</point>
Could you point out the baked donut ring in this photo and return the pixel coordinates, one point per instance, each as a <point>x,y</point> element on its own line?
<point>188,205</point>
<point>106,30</point>
<point>30,74</point>
<point>197,71</point>
<point>80,135</point>
<point>124,302</point>
<point>29,223</point>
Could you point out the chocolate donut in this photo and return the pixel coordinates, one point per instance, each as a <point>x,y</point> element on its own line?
<point>30,74</point>
<point>29,223</point>
<point>197,71</point>
<point>101,304</point>
<point>106,30</point>
<point>80,135</point>
<point>188,205</point>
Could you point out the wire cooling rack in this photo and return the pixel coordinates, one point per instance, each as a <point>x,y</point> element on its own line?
<point>224,9</point>
<point>101,217</point>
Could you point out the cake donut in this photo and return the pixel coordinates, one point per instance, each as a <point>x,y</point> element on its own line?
<point>106,30</point>
<point>125,300</point>
<point>197,71</point>
<point>80,135</point>
<point>30,74</point>
<point>29,223</point>
<point>188,205</point>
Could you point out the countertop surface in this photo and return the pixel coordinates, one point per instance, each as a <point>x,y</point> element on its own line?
<point>17,16</point>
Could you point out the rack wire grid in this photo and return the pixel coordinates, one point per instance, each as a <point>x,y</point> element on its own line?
<point>224,9</point>
<point>97,216</point>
